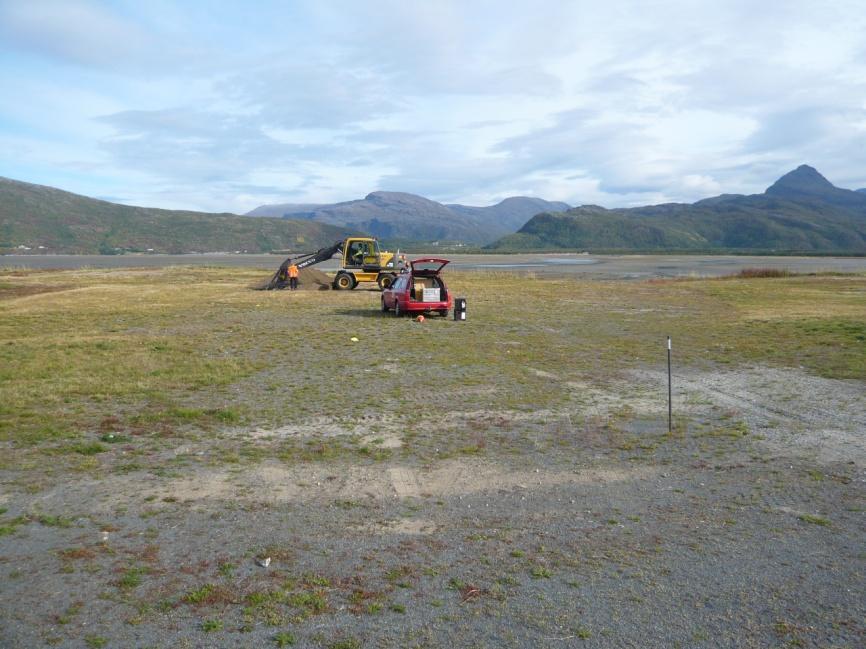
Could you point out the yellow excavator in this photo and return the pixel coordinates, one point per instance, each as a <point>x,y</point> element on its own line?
<point>361,260</point>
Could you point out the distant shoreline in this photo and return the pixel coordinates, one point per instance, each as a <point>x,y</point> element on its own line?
<point>594,266</point>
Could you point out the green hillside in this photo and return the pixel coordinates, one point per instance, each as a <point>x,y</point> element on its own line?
<point>801,212</point>
<point>62,222</point>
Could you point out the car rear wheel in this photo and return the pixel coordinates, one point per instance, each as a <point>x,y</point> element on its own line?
<point>443,313</point>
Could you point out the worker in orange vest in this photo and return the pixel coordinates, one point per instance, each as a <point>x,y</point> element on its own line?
<point>293,276</point>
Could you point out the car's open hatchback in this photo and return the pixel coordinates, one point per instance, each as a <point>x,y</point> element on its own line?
<point>421,290</point>
<point>429,265</point>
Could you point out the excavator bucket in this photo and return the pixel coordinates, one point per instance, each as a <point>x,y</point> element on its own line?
<point>277,281</point>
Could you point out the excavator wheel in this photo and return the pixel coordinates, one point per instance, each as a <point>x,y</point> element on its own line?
<point>385,280</point>
<point>344,282</point>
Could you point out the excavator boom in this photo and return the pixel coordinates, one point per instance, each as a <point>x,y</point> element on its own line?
<point>322,254</point>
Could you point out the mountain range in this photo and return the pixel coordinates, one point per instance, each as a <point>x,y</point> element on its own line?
<point>44,219</point>
<point>800,212</point>
<point>398,216</point>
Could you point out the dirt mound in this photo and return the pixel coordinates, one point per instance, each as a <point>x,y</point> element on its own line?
<point>309,279</point>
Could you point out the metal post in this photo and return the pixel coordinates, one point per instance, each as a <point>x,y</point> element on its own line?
<point>670,406</point>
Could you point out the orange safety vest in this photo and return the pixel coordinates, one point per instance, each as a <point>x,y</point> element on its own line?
<point>293,271</point>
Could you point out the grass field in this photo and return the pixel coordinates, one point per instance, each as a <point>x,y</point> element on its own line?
<point>162,428</point>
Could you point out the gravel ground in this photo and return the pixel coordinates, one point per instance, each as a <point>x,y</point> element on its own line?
<point>743,528</point>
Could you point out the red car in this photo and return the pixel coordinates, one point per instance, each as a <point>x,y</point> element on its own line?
<point>419,290</point>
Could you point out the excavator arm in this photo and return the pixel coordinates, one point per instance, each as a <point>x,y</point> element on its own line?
<point>322,254</point>
<point>303,260</point>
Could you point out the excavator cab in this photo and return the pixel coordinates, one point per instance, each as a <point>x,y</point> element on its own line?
<point>362,253</point>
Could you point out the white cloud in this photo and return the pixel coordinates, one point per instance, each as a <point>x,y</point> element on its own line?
<point>194,104</point>
<point>75,31</point>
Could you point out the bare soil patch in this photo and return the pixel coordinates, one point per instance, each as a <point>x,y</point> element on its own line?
<point>25,290</point>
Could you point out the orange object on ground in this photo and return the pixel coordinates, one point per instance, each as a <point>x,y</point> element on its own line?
<point>420,318</point>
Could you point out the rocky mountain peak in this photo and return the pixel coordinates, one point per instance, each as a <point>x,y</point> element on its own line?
<point>802,180</point>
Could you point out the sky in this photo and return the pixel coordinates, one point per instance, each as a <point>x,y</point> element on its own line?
<point>224,106</point>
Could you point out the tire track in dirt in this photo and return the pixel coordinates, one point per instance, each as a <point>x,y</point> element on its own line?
<point>272,482</point>
<point>781,404</point>
<point>404,482</point>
